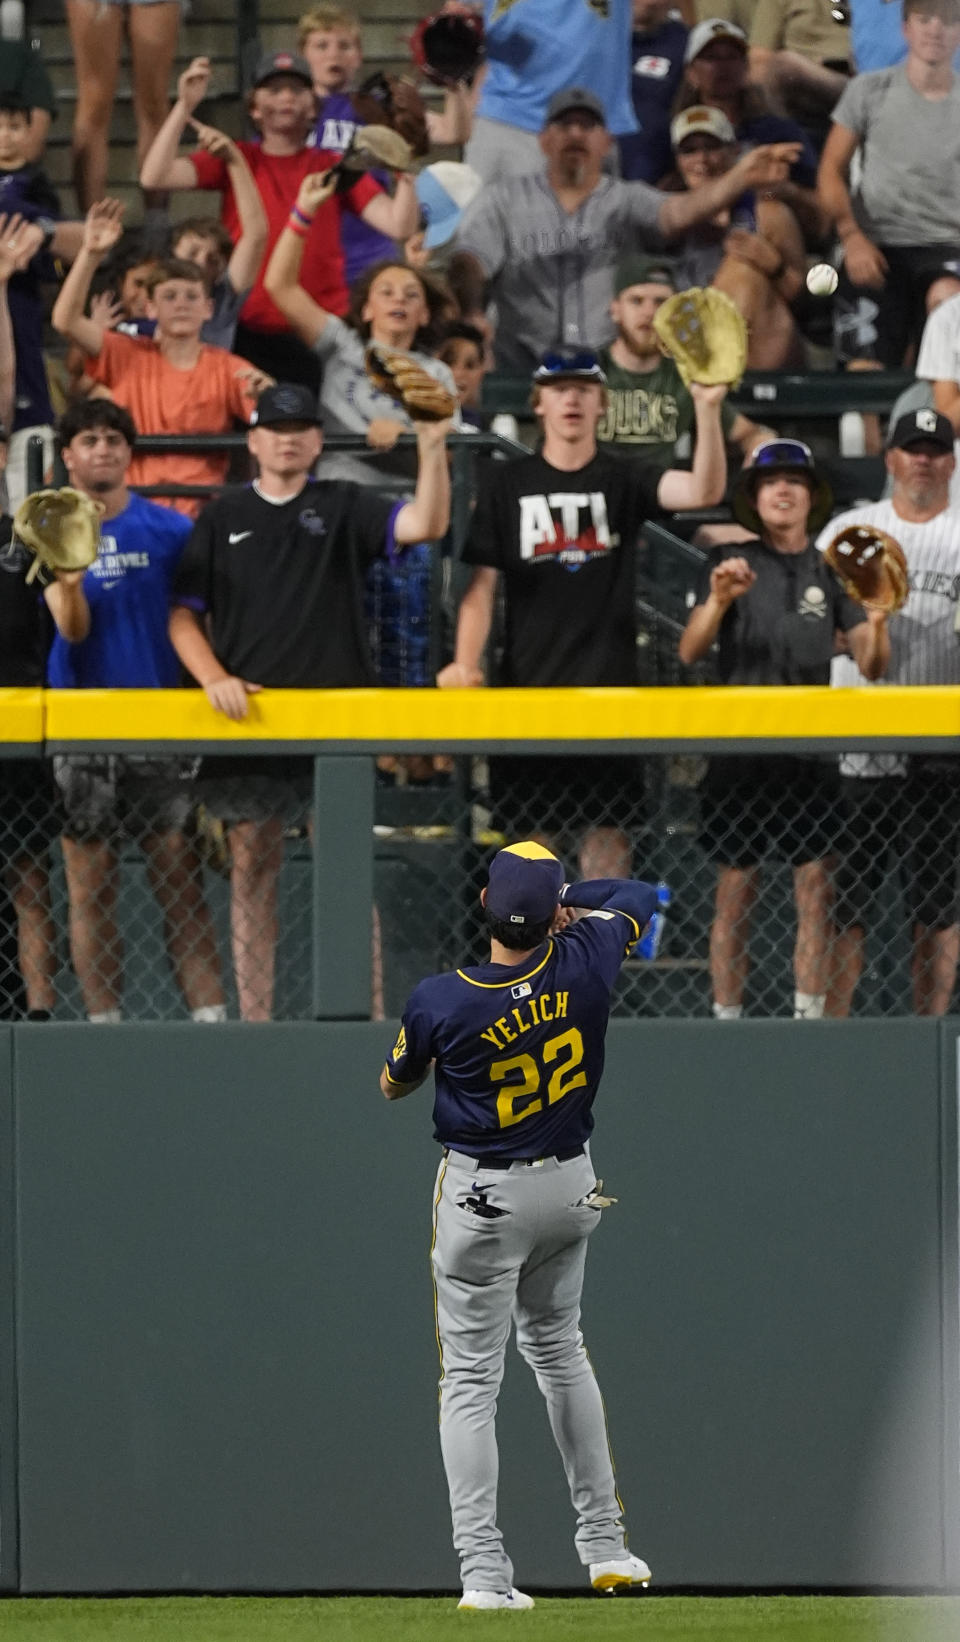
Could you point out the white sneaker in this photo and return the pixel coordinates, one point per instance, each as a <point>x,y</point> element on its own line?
<point>479,1601</point>
<point>612,1577</point>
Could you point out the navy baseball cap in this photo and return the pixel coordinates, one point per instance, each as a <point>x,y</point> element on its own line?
<point>561,363</point>
<point>274,63</point>
<point>524,884</point>
<point>286,402</point>
<point>921,425</point>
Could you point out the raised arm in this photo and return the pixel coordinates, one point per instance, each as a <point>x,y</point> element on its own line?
<point>101,231</point>
<point>869,643</point>
<point>19,241</point>
<point>394,215</point>
<point>729,580</point>
<point>247,254</point>
<point>764,167</point>
<point>474,621</point>
<point>427,515</point>
<point>281,280</point>
<point>68,605</point>
<point>706,482</point>
<point>163,167</point>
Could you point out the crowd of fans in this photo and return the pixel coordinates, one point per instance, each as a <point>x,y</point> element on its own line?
<point>611,155</point>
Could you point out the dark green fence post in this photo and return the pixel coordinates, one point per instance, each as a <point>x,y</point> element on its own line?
<point>342,887</point>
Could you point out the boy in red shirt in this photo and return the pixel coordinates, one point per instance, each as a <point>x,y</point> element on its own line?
<point>282,107</point>
<point>170,382</point>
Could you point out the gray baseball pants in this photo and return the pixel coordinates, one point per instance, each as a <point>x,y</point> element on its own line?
<point>525,1265</point>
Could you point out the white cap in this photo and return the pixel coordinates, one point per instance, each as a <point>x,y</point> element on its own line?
<point>702,119</point>
<point>712,28</point>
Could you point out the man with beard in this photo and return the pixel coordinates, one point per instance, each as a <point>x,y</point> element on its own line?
<point>545,246</point>
<point>898,808</point>
<point>650,411</point>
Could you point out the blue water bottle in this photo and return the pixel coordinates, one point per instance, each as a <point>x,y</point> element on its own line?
<point>649,945</point>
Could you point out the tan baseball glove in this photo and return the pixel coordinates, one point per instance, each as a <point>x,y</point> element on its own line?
<point>871,566</point>
<point>404,379</point>
<point>705,334</point>
<point>61,527</point>
<point>388,100</point>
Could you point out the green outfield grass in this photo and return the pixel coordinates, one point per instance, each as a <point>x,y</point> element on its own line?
<point>416,1619</point>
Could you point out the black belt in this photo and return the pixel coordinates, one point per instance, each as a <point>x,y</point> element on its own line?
<point>493,1160</point>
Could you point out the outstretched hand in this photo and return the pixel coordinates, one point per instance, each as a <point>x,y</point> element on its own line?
<point>194,83</point>
<point>213,141</point>
<point>103,226</point>
<point>315,189</point>
<point>731,578</point>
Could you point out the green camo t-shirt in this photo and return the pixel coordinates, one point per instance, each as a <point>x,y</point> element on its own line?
<point>649,412</point>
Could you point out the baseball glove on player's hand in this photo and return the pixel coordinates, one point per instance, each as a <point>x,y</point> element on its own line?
<point>706,335</point>
<point>871,566</point>
<point>399,375</point>
<point>61,526</point>
<point>386,100</point>
<point>448,48</point>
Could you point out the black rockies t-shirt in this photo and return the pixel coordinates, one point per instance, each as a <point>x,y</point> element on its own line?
<point>25,624</point>
<point>283,582</point>
<point>782,630</point>
<point>565,544</point>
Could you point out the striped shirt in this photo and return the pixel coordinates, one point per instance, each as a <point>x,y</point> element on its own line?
<point>924,647</point>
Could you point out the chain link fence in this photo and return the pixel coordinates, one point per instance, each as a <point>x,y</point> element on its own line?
<point>129,884</point>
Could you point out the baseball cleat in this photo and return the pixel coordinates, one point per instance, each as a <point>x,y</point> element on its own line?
<point>611,1577</point>
<point>480,1601</point>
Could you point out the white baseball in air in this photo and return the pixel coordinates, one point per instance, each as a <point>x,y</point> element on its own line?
<point>822,280</point>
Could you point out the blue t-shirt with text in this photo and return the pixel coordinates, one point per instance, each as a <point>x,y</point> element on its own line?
<point>128,591</point>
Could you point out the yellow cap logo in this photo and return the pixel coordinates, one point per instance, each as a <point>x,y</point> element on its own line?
<point>530,851</point>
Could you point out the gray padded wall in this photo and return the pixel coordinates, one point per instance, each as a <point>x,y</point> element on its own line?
<point>227,1370</point>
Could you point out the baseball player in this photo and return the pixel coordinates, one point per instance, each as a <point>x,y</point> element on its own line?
<point>908,807</point>
<point>516,1046</point>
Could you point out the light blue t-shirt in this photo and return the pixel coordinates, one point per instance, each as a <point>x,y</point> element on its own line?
<point>128,591</point>
<point>537,47</point>
<point>876,29</point>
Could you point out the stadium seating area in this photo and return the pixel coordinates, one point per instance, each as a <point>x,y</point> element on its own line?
<point>168,256</point>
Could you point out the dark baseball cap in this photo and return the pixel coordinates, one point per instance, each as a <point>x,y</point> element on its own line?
<point>638,269</point>
<point>575,98</point>
<point>524,884</point>
<point>286,402</point>
<point>928,425</point>
<point>282,62</point>
<point>562,363</point>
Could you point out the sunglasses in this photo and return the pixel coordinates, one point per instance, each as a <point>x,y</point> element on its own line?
<point>840,12</point>
<point>568,364</point>
<point>783,453</point>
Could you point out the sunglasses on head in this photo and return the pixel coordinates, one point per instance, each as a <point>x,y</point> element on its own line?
<point>840,12</point>
<point>569,364</point>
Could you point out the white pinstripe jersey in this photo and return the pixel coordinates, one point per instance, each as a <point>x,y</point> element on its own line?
<point>924,646</point>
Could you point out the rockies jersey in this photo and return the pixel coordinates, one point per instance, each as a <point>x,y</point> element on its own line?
<point>923,642</point>
<point>519,1048</point>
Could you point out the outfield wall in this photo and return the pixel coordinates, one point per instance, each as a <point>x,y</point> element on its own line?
<point>217,1362</point>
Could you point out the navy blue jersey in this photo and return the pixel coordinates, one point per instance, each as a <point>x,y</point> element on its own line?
<point>519,1047</point>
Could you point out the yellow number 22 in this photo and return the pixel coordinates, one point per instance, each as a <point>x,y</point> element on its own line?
<point>567,1049</point>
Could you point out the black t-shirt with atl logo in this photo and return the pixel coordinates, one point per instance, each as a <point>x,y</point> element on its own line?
<point>282,583</point>
<point>565,544</point>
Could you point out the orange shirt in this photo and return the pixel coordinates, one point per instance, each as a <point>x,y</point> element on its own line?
<point>162,399</point>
